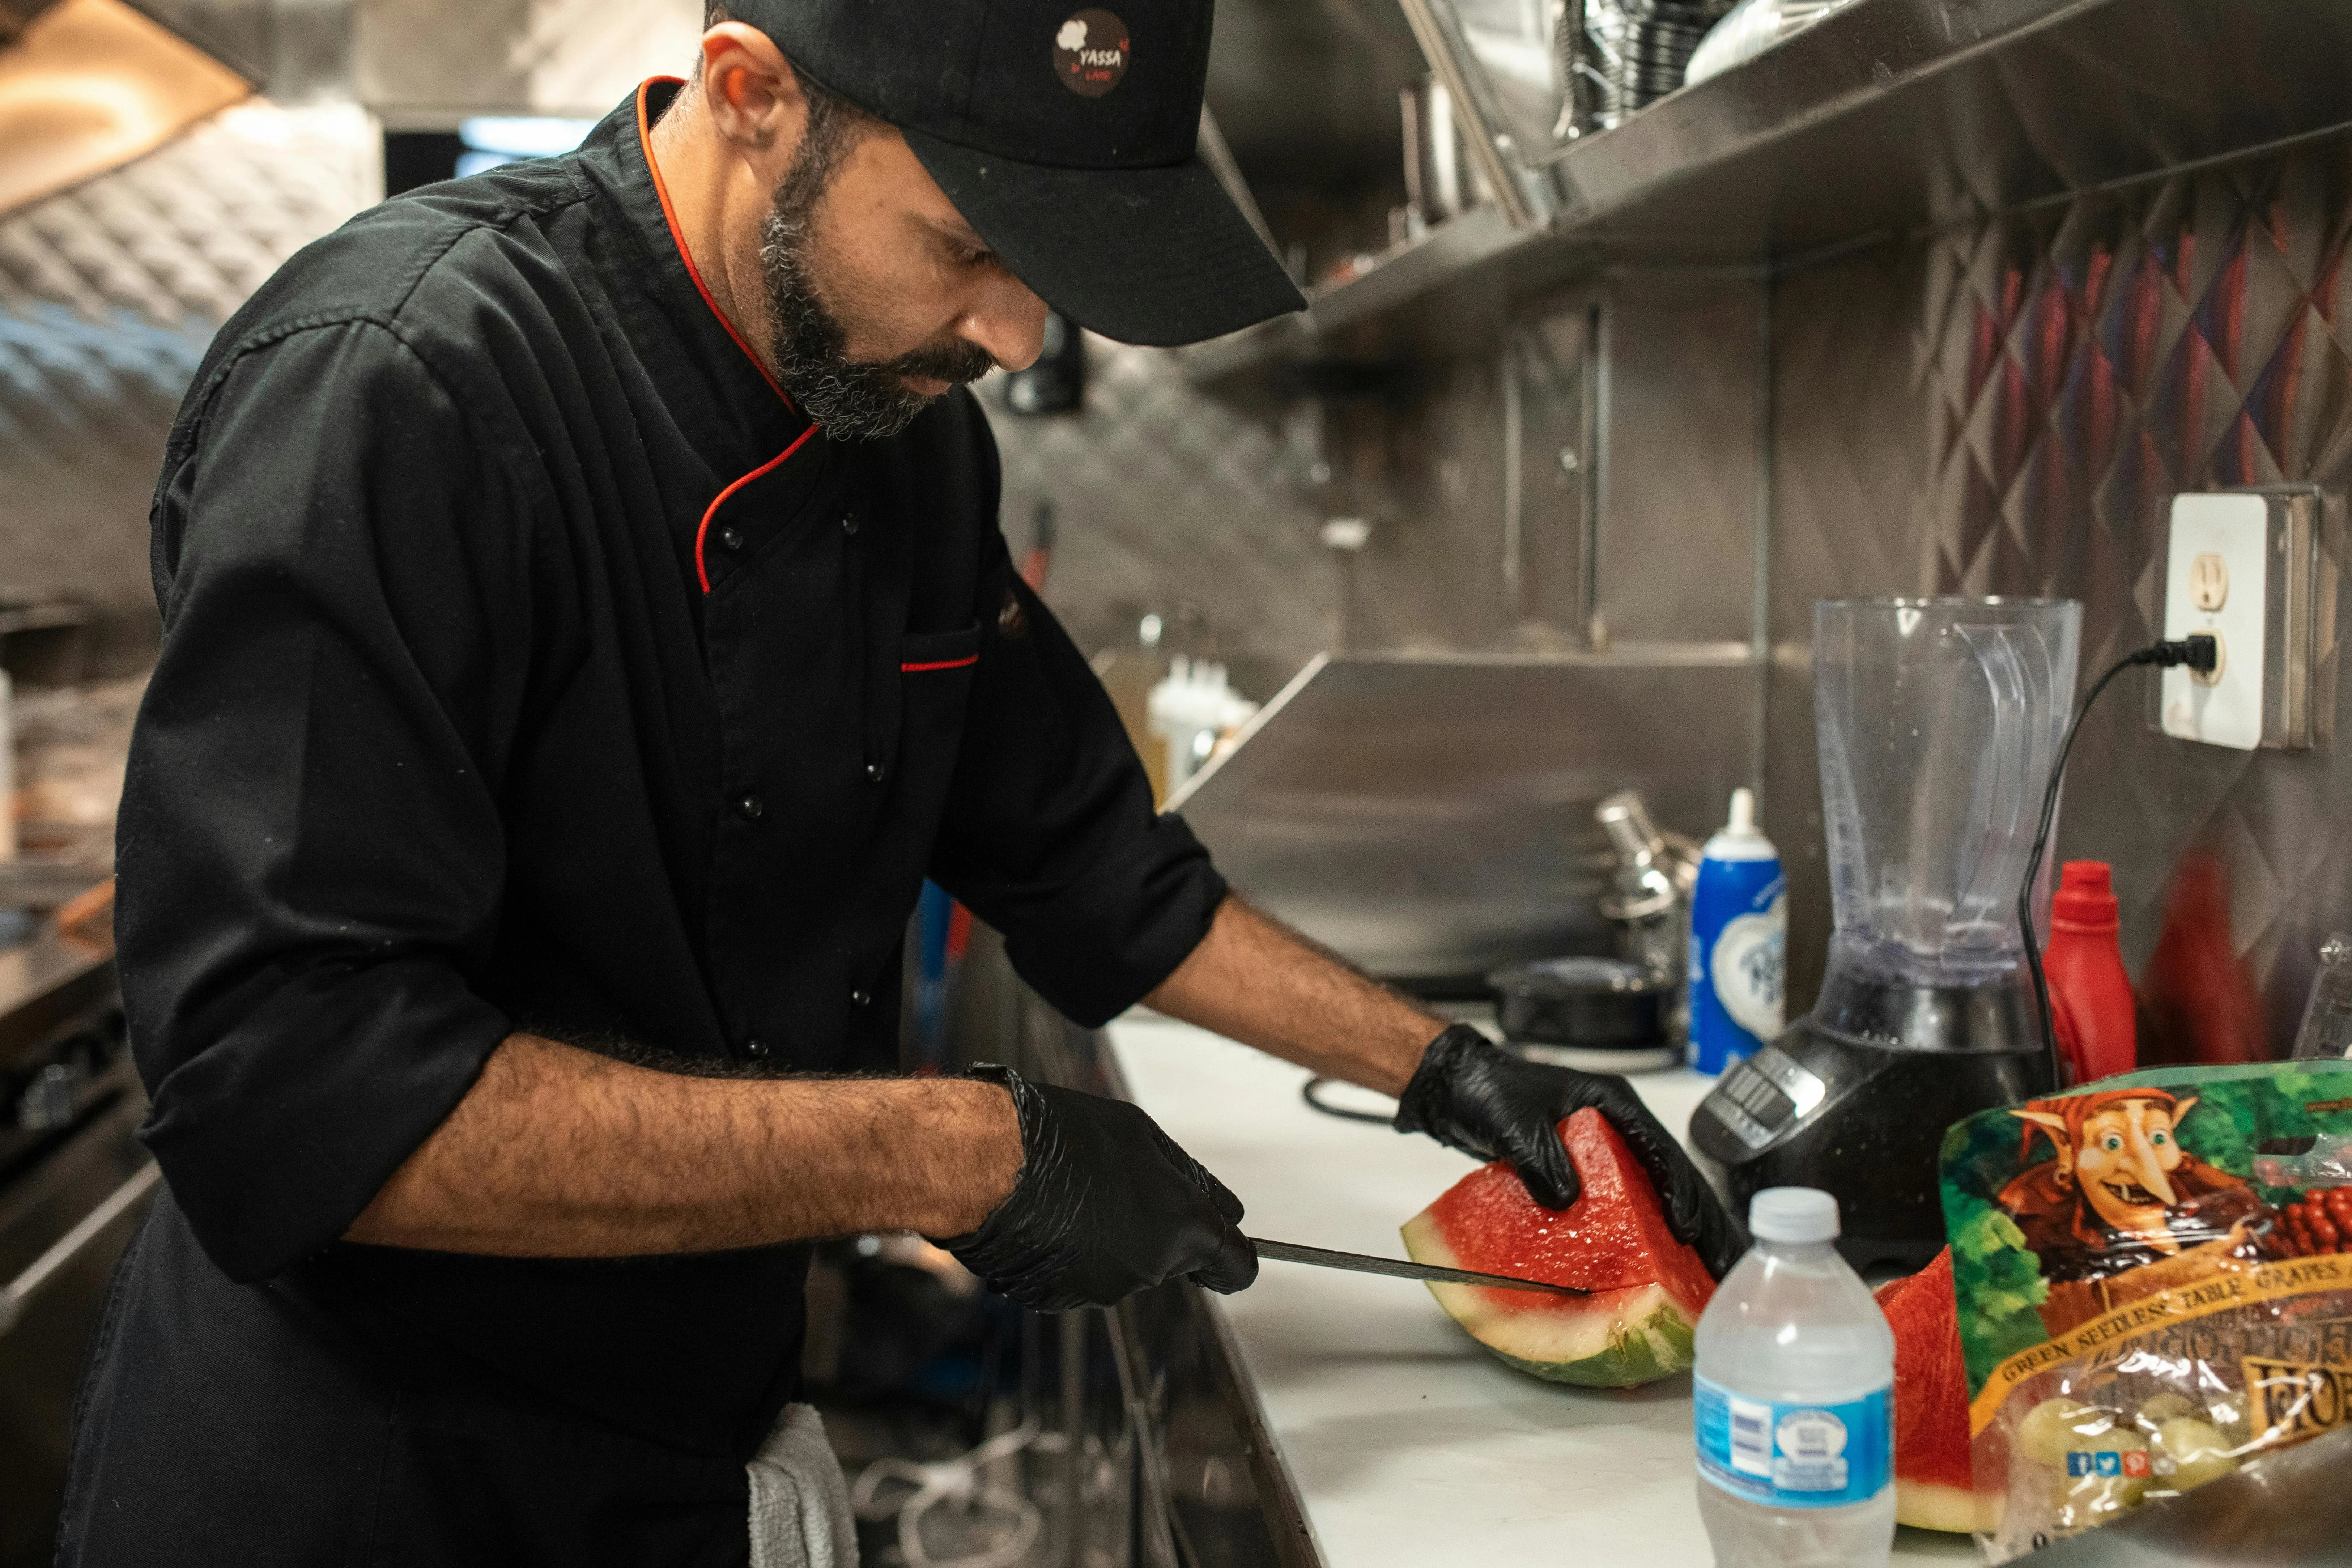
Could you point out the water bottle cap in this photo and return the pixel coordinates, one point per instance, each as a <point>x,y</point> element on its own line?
<point>1793,1214</point>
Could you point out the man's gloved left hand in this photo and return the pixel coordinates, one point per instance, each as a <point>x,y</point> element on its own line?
<point>1485,1101</point>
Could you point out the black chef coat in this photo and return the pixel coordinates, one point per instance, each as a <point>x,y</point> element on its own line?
<point>514,677</point>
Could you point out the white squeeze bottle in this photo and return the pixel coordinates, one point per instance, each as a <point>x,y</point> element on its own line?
<point>1794,1391</point>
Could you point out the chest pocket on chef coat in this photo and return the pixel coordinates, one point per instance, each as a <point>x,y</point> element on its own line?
<point>939,652</point>
<point>935,670</point>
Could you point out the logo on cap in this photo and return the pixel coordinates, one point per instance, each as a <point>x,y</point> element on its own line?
<point>1090,53</point>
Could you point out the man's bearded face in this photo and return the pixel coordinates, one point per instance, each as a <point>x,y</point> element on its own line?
<point>809,344</point>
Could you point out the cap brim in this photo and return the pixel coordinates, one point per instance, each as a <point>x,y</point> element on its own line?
<point>1154,256</point>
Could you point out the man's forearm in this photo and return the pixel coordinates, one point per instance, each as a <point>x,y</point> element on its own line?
<point>1254,980</point>
<point>557,1152</point>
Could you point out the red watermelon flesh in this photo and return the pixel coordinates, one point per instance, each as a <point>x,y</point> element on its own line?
<point>1933,1487</point>
<point>1649,1288</point>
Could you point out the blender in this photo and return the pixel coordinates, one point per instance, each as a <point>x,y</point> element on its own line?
<point>1938,721</point>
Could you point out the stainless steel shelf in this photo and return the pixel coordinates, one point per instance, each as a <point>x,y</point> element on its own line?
<point>1887,118</point>
<point>1398,277</point>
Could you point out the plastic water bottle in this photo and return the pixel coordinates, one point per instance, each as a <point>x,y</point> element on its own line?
<point>1739,930</point>
<point>1795,1392</point>
<point>2326,1031</point>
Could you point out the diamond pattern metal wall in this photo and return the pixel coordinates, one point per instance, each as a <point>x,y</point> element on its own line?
<point>109,294</point>
<point>2068,369</point>
<point>1163,498</point>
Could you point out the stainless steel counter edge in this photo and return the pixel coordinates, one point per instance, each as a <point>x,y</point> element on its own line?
<point>1285,1513</point>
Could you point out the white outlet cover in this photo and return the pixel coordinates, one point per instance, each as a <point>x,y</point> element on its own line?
<point>2237,528</point>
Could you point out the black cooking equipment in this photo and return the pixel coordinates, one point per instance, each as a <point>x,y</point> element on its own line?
<point>74,1181</point>
<point>1864,1119</point>
<point>1594,1004</point>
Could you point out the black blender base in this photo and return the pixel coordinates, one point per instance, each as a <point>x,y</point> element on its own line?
<point>1863,1123</point>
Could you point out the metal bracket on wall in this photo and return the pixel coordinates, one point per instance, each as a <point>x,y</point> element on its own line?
<point>1441,48</point>
<point>1554,460</point>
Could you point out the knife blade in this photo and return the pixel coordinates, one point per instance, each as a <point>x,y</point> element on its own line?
<point>1399,1269</point>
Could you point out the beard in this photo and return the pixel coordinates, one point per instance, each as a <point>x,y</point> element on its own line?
<point>849,398</point>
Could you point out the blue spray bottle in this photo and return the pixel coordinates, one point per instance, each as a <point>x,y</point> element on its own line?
<point>1739,928</point>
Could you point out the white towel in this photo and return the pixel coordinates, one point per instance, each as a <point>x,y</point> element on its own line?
<point>800,1504</point>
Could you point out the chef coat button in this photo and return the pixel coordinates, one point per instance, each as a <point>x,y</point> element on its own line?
<point>750,808</point>
<point>730,538</point>
<point>849,523</point>
<point>861,998</point>
<point>756,1049</point>
<point>875,772</point>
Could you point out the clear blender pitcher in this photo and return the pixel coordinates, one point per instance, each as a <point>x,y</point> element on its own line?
<point>1938,720</point>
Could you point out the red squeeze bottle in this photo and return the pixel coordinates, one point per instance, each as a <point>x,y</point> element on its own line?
<point>2090,994</point>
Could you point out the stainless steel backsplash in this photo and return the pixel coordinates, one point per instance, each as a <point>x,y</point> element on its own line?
<point>2007,407</point>
<point>2004,405</point>
<point>1163,498</point>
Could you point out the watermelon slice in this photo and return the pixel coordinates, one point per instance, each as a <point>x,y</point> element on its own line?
<point>1649,1288</point>
<point>1933,1489</point>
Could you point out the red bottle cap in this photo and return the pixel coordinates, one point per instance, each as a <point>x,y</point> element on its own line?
<point>2085,899</point>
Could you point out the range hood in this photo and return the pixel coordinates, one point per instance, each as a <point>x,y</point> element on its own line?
<point>87,85</point>
<point>1430,817</point>
<point>428,64</point>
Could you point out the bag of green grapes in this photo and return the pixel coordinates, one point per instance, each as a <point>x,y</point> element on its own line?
<point>2154,1279</point>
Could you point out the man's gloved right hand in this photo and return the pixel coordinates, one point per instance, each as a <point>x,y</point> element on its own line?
<point>1486,1102</point>
<point>1105,1205</point>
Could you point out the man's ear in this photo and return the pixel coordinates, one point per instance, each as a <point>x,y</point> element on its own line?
<point>751,92</point>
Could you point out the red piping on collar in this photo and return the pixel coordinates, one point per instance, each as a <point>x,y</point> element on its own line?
<point>964,663</point>
<point>702,572</point>
<point>669,217</point>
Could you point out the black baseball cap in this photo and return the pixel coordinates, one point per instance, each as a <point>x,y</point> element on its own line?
<point>1065,138</point>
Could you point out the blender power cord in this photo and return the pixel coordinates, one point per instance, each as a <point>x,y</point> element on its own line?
<point>2201,652</point>
<point>1309,1091</point>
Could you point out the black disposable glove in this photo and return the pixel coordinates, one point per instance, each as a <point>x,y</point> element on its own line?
<point>1488,1102</point>
<point>1105,1205</point>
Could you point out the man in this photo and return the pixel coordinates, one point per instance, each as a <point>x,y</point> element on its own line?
<point>585,625</point>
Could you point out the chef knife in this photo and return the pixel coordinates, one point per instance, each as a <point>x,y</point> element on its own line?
<point>1397,1268</point>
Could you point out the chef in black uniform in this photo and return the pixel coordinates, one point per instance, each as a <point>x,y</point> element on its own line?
<point>585,627</point>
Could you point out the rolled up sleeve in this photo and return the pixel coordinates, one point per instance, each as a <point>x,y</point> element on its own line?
<point>1050,834</point>
<point>310,851</point>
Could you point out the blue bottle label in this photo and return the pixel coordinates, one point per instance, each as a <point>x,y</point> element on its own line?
<point>1739,928</point>
<point>1789,1454</point>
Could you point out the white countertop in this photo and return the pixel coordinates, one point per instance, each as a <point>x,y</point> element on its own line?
<point>1408,1443</point>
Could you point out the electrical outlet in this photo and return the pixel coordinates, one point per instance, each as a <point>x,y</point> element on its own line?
<point>2243,566</point>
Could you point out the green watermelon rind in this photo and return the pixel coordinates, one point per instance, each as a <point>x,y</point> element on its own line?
<point>1618,1339</point>
<point>1658,1346</point>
